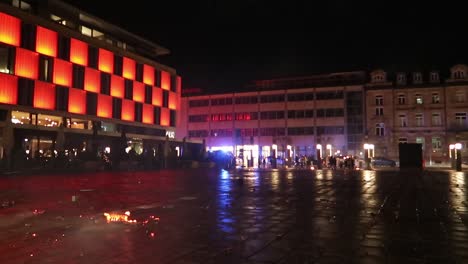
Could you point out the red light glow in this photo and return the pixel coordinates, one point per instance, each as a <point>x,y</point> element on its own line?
<point>10,29</point>
<point>128,68</point>
<point>78,52</point>
<point>165,117</point>
<point>8,89</point>
<point>115,217</point>
<point>62,72</point>
<point>26,64</point>
<point>148,74</point>
<point>128,110</point>
<point>148,114</point>
<point>104,106</point>
<point>106,61</point>
<point>138,92</point>
<point>172,100</point>
<point>165,80</point>
<point>92,80</point>
<point>77,104</point>
<point>44,95</point>
<point>46,41</point>
<point>117,86</point>
<point>157,97</point>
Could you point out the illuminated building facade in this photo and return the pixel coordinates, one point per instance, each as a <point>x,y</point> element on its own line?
<point>60,66</point>
<point>281,118</point>
<point>429,108</point>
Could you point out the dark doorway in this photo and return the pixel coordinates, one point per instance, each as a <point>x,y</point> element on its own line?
<point>410,155</point>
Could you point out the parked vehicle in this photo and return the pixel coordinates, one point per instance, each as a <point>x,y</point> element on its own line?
<point>382,162</point>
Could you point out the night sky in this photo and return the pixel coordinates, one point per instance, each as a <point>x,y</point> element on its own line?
<point>224,44</point>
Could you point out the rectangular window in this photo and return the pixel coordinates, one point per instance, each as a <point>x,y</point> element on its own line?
<point>380,129</point>
<point>139,72</point>
<point>28,36</point>
<point>45,68</point>
<point>93,57</point>
<point>403,121</point>
<point>105,83</point>
<point>419,120</point>
<point>61,98</point>
<point>401,99</point>
<point>148,94</point>
<point>7,59</point>
<point>436,143</point>
<point>459,96</point>
<point>25,91</point>
<point>379,111</point>
<point>436,119</point>
<point>379,100</point>
<point>117,108</point>
<point>78,76</point>
<point>420,140</point>
<point>138,112</point>
<point>128,89</point>
<point>435,98</point>
<point>402,140</point>
<point>165,101</point>
<point>173,119</point>
<point>91,103</point>
<point>157,115</point>
<point>419,99</point>
<point>460,119</point>
<point>118,65</point>
<point>157,78</point>
<point>64,48</point>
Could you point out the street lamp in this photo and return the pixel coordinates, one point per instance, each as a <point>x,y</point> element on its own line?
<point>367,154</point>
<point>319,156</point>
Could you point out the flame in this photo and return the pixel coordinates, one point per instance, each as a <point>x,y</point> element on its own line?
<point>115,217</point>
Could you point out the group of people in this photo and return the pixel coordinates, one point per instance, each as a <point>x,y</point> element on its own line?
<point>343,162</point>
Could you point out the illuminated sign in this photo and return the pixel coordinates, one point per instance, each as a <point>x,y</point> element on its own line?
<point>170,134</point>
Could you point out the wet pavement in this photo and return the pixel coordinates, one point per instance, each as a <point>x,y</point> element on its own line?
<point>215,216</point>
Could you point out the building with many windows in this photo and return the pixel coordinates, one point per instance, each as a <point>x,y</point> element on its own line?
<point>419,108</point>
<point>65,74</point>
<point>339,112</point>
<point>281,118</point>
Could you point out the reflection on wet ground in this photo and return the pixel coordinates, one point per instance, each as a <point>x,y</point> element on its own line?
<point>217,216</point>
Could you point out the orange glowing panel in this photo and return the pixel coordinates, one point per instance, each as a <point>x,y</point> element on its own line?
<point>157,97</point>
<point>138,92</point>
<point>8,89</point>
<point>92,80</point>
<point>165,116</point>
<point>46,41</point>
<point>62,72</point>
<point>10,29</point>
<point>44,95</point>
<point>77,102</point>
<point>26,64</point>
<point>106,61</point>
<point>165,80</point>
<point>172,101</point>
<point>148,74</point>
<point>128,68</point>
<point>128,110</point>
<point>117,86</point>
<point>104,107</point>
<point>148,114</point>
<point>78,52</point>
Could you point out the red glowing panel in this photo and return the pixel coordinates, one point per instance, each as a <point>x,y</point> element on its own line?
<point>26,64</point>
<point>92,80</point>
<point>138,92</point>
<point>165,80</point>
<point>8,88</point>
<point>78,52</point>
<point>148,114</point>
<point>148,74</point>
<point>128,68</point>
<point>165,116</point>
<point>117,86</point>
<point>172,100</point>
<point>62,72</point>
<point>10,29</point>
<point>106,61</point>
<point>128,110</point>
<point>179,85</point>
<point>157,97</point>
<point>44,95</point>
<point>46,41</point>
<point>77,102</point>
<point>104,107</point>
